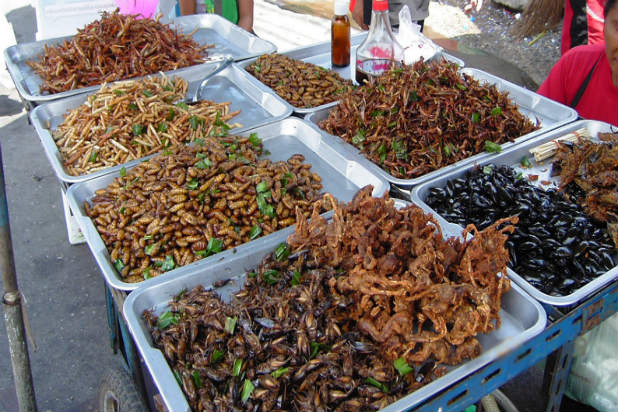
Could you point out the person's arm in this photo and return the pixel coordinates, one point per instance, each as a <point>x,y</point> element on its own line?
<point>186,7</point>
<point>245,15</point>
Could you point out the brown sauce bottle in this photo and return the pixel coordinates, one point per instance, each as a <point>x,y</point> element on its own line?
<point>340,35</point>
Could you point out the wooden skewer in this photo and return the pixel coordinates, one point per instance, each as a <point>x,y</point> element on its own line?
<point>547,150</point>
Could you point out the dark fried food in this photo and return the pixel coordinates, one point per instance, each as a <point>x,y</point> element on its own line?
<point>589,175</point>
<point>365,309</point>
<point>299,83</point>
<point>113,48</point>
<point>191,202</point>
<point>416,119</point>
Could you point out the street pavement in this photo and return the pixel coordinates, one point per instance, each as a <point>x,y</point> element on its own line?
<point>61,283</point>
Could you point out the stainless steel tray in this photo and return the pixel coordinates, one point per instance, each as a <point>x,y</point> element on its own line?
<point>342,176</point>
<point>258,105</point>
<point>320,55</point>
<point>512,157</point>
<point>228,39</point>
<point>551,115</point>
<point>522,319</point>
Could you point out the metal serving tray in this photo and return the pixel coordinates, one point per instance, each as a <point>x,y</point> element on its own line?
<point>551,115</point>
<point>512,157</point>
<point>522,319</point>
<point>257,104</point>
<point>342,176</point>
<point>229,40</point>
<point>320,55</point>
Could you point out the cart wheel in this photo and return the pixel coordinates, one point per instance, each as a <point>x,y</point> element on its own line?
<point>118,393</point>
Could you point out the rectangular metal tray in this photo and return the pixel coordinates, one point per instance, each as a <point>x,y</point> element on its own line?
<point>229,40</point>
<point>342,176</point>
<point>258,105</point>
<point>512,157</point>
<point>522,319</point>
<point>551,115</point>
<point>320,55</point>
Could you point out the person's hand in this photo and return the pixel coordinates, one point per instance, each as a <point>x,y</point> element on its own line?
<point>473,4</point>
<point>357,14</point>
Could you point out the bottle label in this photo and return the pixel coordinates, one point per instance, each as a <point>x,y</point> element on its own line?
<point>374,67</point>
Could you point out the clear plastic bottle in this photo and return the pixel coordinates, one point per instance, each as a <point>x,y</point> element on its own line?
<point>380,50</point>
<point>340,35</point>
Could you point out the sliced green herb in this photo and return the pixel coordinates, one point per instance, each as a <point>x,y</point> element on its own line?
<point>146,273</point>
<point>177,376</point>
<point>316,347</point>
<point>280,372</point>
<point>214,245</point>
<point>193,184</point>
<point>167,319</point>
<point>171,114</point>
<point>150,249</point>
<point>123,172</point>
<point>476,117</point>
<point>137,129</point>
<point>182,105</point>
<point>449,149</point>
<point>133,106</point>
<point>402,366</point>
<point>168,88</point>
<point>382,386</point>
<point>147,93</point>
<point>282,252</point>
<point>230,324</point>
<point>118,92</point>
<point>261,187</point>
<point>488,169</point>
<point>217,355</point>
<point>194,122</point>
<point>203,164</point>
<point>93,156</point>
<point>519,176</point>
<point>461,87</point>
<point>496,111</point>
<point>271,276</point>
<point>376,113</point>
<point>359,137</point>
<point>122,209</point>
<point>257,67</point>
<point>255,232</point>
<point>295,278</point>
<point>237,367</point>
<point>413,97</point>
<point>525,162</point>
<point>392,124</point>
<point>381,88</point>
<point>197,380</point>
<point>119,265</point>
<point>252,274</point>
<point>162,127</point>
<point>199,142</point>
<point>247,389</point>
<point>254,139</point>
<point>168,263</point>
<point>492,147</point>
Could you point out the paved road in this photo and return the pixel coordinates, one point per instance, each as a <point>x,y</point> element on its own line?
<point>62,284</point>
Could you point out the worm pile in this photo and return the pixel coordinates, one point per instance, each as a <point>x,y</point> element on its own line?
<point>132,119</point>
<point>416,119</point>
<point>299,83</point>
<point>113,48</point>
<point>191,202</point>
<point>349,315</point>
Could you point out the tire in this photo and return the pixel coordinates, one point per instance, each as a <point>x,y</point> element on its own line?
<point>117,393</point>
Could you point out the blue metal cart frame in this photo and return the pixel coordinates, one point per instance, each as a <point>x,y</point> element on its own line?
<point>556,343</point>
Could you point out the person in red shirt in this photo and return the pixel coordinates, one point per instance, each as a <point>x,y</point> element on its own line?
<point>583,23</point>
<point>586,77</point>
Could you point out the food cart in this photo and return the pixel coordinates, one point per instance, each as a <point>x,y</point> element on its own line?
<point>545,329</point>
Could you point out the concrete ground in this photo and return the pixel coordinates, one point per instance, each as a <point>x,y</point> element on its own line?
<point>62,284</point>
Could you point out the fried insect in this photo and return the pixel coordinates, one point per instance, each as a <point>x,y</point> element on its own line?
<point>112,48</point>
<point>191,202</point>
<point>367,308</point>
<point>589,176</point>
<point>133,119</point>
<point>299,83</point>
<point>416,119</point>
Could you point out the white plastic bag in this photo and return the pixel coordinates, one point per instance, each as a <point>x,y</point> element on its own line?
<point>414,43</point>
<point>594,373</point>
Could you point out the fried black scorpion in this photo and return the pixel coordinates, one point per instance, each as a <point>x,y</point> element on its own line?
<point>350,315</point>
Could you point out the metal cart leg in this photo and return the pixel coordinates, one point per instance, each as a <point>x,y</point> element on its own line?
<point>557,372</point>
